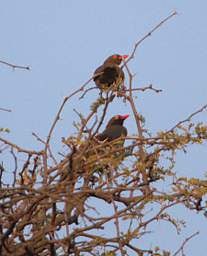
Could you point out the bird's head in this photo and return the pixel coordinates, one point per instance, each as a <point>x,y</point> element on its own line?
<point>115,59</point>
<point>117,120</point>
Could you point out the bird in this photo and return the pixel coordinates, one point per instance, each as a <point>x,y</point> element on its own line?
<point>109,75</point>
<point>114,129</point>
<point>87,152</point>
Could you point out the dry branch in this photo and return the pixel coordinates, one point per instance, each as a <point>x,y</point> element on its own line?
<point>68,206</point>
<point>14,66</point>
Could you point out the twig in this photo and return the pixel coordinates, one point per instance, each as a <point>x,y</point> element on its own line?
<point>139,251</point>
<point>87,119</point>
<point>89,89</point>
<point>139,128</point>
<point>14,66</point>
<point>19,149</point>
<point>181,249</point>
<point>3,147</point>
<point>142,89</point>
<point>15,167</point>
<point>49,149</point>
<point>25,166</point>
<point>148,35</point>
<point>117,225</point>
<point>5,109</point>
<point>38,138</point>
<point>188,118</point>
<point>57,117</point>
<point>109,98</point>
<point>94,76</point>
<point>1,173</point>
<point>130,97</point>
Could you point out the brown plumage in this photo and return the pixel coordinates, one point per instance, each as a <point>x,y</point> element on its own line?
<point>111,75</point>
<point>114,129</point>
<point>84,160</point>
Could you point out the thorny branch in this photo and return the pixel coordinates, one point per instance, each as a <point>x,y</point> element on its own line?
<point>5,109</point>
<point>14,66</point>
<point>57,117</point>
<point>143,89</point>
<point>59,209</point>
<point>148,35</point>
<point>188,119</point>
<point>181,249</point>
<point>139,128</point>
<point>20,149</point>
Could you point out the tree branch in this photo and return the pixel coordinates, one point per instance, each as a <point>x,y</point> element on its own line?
<point>5,109</point>
<point>14,66</point>
<point>188,119</point>
<point>148,35</point>
<point>181,249</point>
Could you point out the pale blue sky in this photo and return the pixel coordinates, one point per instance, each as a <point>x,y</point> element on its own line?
<point>63,41</point>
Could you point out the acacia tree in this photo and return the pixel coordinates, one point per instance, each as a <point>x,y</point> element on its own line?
<point>69,206</point>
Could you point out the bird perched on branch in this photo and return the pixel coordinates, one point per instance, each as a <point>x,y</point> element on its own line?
<point>109,76</point>
<point>84,160</point>
<point>114,129</point>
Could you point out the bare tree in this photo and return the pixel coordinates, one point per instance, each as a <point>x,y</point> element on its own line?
<point>68,206</point>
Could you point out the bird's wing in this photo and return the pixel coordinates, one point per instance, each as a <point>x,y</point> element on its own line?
<point>124,131</point>
<point>102,136</point>
<point>112,133</point>
<point>97,71</point>
<point>109,71</point>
